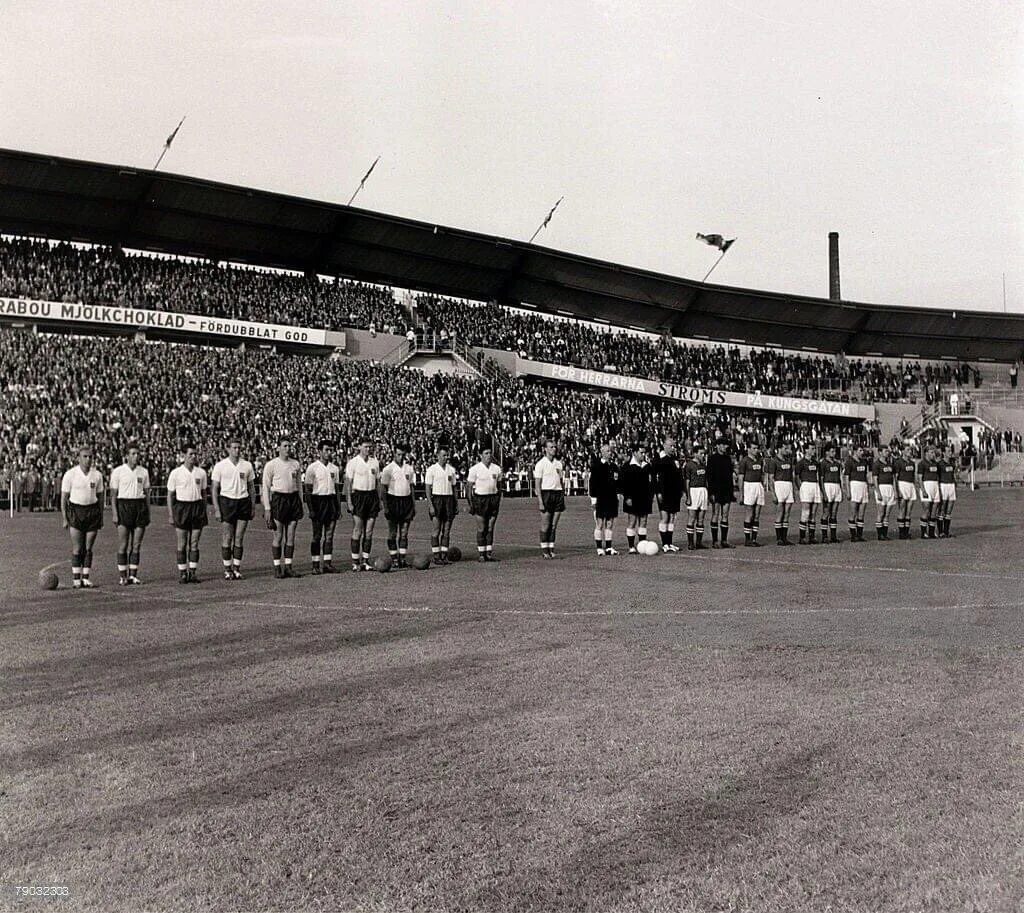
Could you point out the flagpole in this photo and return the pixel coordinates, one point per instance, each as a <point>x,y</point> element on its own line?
<point>713,265</point>
<point>363,181</point>
<point>167,144</point>
<point>547,219</point>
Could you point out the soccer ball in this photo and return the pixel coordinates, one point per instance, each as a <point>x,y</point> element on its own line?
<point>421,562</point>
<point>48,580</point>
<point>383,563</point>
<point>455,553</point>
<point>647,547</point>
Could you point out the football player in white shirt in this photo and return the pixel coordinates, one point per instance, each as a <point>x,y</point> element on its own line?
<point>186,510</point>
<point>441,504</point>
<point>320,488</point>
<point>362,473</point>
<point>484,498</point>
<point>396,481</point>
<point>234,498</point>
<point>81,506</point>
<point>549,485</point>
<point>129,492</point>
<point>282,506</point>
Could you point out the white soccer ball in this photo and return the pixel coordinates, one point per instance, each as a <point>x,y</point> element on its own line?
<point>647,547</point>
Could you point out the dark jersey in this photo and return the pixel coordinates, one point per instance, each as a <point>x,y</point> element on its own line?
<point>604,479</point>
<point>857,470</point>
<point>884,471</point>
<point>696,474</point>
<point>668,476</point>
<point>904,470</point>
<point>947,471</point>
<point>780,468</point>
<point>807,471</point>
<point>636,482</point>
<point>831,471</point>
<point>720,471</point>
<point>929,470</point>
<point>751,469</point>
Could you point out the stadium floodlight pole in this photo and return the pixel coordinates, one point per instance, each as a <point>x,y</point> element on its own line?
<point>363,181</point>
<point>719,260</point>
<point>547,219</point>
<point>167,144</point>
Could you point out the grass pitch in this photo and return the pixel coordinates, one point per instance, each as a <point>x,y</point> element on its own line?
<point>821,728</point>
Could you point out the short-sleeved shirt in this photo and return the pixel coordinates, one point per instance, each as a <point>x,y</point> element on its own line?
<point>398,479</point>
<point>751,469</point>
<point>129,484</point>
<point>362,474</point>
<point>904,470</point>
<point>322,478</point>
<point>282,476</point>
<point>441,479</point>
<point>831,471</point>
<point>186,485</point>
<point>484,479</point>
<point>947,471</point>
<point>929,470</point>
<point>884,471</point>
<point>696,474</point>
<point>550,473</point>
<point>857,470</point>
<point>780,468</point>
<point>807,471</point>
<point>234,479</point>
<point>82,488</point>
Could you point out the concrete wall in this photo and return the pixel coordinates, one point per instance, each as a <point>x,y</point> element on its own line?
<point>360,344</point>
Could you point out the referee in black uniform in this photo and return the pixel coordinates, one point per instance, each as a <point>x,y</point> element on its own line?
<point>604,498</point>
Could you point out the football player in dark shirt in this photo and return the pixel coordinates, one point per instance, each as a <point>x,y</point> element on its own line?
<point>636,482</point>
<point>695,487</point>
<point>808,474</point>
<point>906,489</point>
<point>947,491</point>
<point>928,468</point>
<point>780,469</point>
<point>884,473</point>
<point>750,475</point>
<point>832,494</point>
<point>857,471</point>
<point>720,488</point>
<point>604,498</point>
<point>668,488</point>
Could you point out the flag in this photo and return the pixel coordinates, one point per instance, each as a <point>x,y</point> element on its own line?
<point>368,173</point>
<point>716,241</point>
<point>550,214</point>
<point>170,139</point>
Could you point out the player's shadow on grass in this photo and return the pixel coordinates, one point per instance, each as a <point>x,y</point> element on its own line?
<point>105,673</point>
<point>676,840</point>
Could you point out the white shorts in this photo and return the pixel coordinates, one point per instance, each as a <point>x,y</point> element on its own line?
<point>858,492</point>
<point>907,491</point>
<point>753,494</point>
<point>947,491</point>
<point>698,499</point>
<point>930,491</point>
<point>784,492</point>
<point>810,493</point>
<point>886,495</point>
<point>833,492</point>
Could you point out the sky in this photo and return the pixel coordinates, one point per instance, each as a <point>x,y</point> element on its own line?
<point>899,125</point>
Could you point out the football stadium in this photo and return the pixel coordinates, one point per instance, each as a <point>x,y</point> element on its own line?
<point>352,562</point>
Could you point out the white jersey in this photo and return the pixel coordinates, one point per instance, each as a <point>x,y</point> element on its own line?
<point>484,479</point>
<point>398,480</point>
<point>362,474</point>
<point>282,476</point>
<point>551,474</point>
<point>322,478</point>
<point>82,488</point>
<point>234,478</point>
<point>186,485</point>
<point>129,484</point>
<point>441,479</point>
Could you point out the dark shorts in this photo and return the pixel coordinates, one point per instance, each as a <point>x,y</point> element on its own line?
<point>399,508</point>
<point>189,514</point>
<point>637,507</point>
<point>285,508</point>
<point>365,504</point>
<point>486,505</point>
<point>445,507</point>
<point>133,513</point>
<point>671,502</point>
<point>553,501</point>
<point>607,507</point>
<point>87,518</point>
<point>234,509</point>
<point>722,495</point>
<point>324,509</point>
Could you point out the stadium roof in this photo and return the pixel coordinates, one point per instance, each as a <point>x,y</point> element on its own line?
<point>110,204</point>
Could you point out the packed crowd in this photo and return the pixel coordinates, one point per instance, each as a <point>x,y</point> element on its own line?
<point>103,275</point>
<point>57,392</point>
<point>769,371</point>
